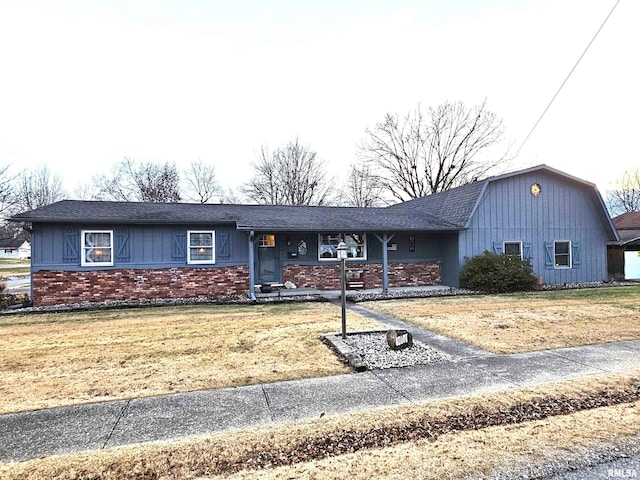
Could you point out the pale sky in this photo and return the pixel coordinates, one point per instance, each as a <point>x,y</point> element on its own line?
<point>85,83</point>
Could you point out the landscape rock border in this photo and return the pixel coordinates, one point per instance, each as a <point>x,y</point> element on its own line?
<point>241,299</point>
<point>360,352</point>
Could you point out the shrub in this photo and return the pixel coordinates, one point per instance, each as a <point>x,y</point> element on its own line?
<point>496,273</point>
<point>7,300</point>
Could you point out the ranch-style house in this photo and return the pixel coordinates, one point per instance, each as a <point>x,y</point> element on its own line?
<point>97,250</point>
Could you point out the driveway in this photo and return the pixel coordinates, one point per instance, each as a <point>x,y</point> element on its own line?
<point>17,283</point>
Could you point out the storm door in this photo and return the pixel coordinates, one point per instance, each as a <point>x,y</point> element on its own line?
<point>267,259</point>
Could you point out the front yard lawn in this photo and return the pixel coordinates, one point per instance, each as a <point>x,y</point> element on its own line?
<point>49,360</point>
<point>527,321</point>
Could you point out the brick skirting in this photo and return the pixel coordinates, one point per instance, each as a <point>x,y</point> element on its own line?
<point>55,287</point>
<point>327,277</point>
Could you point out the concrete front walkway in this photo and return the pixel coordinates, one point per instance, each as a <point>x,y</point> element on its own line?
<point>56,431</point>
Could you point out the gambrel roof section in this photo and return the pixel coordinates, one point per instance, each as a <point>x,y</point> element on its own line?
<point>458,205</point>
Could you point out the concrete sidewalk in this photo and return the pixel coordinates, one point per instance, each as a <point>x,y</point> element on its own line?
<point>56,431</point>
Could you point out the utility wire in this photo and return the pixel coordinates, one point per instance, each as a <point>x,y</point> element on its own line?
<point>567,78</point>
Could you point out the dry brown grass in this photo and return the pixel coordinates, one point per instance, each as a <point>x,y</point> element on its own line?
<point>527,322</point>
<point>480,454</point>
<point>450,456</point>
<point>61,359</point>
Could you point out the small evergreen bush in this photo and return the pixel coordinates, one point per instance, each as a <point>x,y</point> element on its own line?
<point>497,273</point>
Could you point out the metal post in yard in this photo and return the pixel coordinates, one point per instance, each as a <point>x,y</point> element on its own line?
<point>342,255</point>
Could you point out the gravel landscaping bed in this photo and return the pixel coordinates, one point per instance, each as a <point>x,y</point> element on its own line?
<point>452,291</point>
<point>375,353</point>
<point>353,296</point>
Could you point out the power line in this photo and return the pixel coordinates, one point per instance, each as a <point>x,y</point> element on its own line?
<point>567,78</point>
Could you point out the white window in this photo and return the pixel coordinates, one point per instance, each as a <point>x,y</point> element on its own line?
<point>562,253</point>
<point>513,249</point>
<point>97,248</point>
<point>201,246</point>
<point>356,245</point>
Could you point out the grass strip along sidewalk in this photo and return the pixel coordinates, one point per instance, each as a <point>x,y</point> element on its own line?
<point>267,448</point>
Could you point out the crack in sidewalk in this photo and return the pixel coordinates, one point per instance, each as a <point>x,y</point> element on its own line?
<point>266,398</point>
<point>388,384</point>
<point>120,416</point>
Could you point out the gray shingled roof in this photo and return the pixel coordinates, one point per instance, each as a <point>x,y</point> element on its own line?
<point>244,217</point>
<point>11,242</point>
<point>456,204</point>
<point>443,211</point>
<point>627,221</point>
<point>628,225</point>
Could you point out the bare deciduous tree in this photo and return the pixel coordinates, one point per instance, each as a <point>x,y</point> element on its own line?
<point>417,155</point>
<point>290,175</point>
<point>85,191</point>
<point>140,181</point>
<point>363,188</point>
<point>202,184</point>
<point>37,188</point>
<point>7,199</point>
<point>230,196</point>
<point>626,195</point>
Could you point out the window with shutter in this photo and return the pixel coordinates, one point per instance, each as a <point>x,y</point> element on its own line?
<point>201,246</point>
<point>97,248</point>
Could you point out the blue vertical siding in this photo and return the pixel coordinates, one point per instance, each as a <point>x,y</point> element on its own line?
<point>149,246</point>
<point>564,210</point>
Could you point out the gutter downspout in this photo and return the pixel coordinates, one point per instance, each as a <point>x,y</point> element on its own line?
<point>252,292</point>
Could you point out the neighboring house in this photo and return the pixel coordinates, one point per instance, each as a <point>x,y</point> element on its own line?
<point>93,251</point>
<point>15,248</point>
<point>624,255</point>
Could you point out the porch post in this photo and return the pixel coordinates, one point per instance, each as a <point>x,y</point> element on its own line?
<point>252,276</point>
<point>385,264</point>
<point>384,240</point>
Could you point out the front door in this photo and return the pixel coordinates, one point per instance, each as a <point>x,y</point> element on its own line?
<point>267,259</point>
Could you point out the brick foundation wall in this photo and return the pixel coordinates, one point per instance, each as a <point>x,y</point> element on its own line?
<point>327,277</point>
<point>55,287</point>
